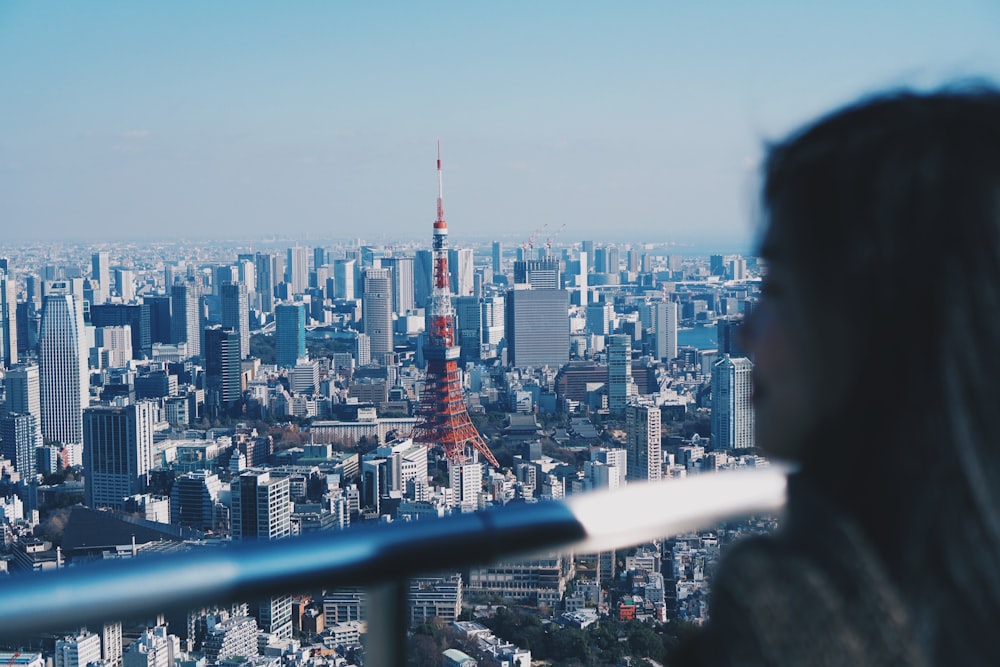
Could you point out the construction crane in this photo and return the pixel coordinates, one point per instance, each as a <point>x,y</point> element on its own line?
<point>529,245</point>
<point>548,241</point>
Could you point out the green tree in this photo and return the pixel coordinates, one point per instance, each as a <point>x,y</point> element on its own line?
<point>568,644</point>
<point>643,641</point>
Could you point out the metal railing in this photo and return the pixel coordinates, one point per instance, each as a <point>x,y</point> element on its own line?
<point>382,557</point>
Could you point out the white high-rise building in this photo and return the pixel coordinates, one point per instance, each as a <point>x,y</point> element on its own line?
<point>343,278</point>
<point>78,651</point>
<point>737,268</point>
<point>466,482</point>
<point>461,264</point>
<point>621,388</point>
<point>665,320</point>
<point>262,510</point>
<point>297,273</point>
<point>642,442</point>
<point>8,320</point>
<point>376,307</point>
<point>606,469</point>
<point>362,350</point>
<point>235,636</point>
<point>732,403</point>
<point>493,309</point>
<point>402,283</point>
<point>125,284</point>
<point>64,378</point>
<point>153,648</point>
<point>100,263</point>
<point>112,346</point>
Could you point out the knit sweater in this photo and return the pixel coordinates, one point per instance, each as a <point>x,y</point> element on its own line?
<point>814,593</point>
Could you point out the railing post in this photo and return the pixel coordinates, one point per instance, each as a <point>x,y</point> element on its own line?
<point>388,623</point>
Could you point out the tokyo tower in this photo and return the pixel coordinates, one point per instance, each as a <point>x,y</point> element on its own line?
<point>444,419</point>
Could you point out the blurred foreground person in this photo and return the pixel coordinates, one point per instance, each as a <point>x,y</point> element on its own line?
<point>876,349</point>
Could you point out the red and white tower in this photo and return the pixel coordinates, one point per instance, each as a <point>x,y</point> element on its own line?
<point>444,419</point>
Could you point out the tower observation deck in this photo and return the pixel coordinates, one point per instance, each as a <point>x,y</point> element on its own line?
<point>444,418</point>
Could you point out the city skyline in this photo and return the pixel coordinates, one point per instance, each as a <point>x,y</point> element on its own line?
<point>604,122</point>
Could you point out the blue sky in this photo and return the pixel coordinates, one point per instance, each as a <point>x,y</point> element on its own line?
<point>631,121</point>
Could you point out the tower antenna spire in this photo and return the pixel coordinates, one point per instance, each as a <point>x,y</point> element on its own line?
<point>440,201</point>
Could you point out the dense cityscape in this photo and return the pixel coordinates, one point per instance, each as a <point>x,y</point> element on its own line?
<point>165,397</point>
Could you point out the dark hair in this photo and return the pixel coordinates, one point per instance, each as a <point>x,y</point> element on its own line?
<point>888,211</point>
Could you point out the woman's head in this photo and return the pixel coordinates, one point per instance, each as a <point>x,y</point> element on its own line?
<point>883,224</point>
<point>882,228</point>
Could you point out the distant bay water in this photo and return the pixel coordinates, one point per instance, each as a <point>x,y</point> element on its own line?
<point>702,338</point>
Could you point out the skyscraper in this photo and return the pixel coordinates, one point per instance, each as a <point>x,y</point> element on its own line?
<point>376,312</point>
<point>223,373</point>
<point>222,274</point>
<point>159,318</point>
<point>18,439</point>
<point>297,270</point>
<point>537,327</point>
<point>717,265</point>
<point>64,378</point>
<point>732,403</point>
<point>100,270</point>
<point>600,260</point>
<point>468,331</point>
<point>621,388</point>
<point>343,278</point>
<point>236,313</point>
<point>117,452</point>
<point>362,349</point>
<point>423,277</point>
<point>466,482</point>
<point>319,257</point>
<point>539,273</point>
<point>402,282</point>
<point>614,259</point>
<point>261,506</point>
<point>632,261</point>
<point>665,318</point>
<point>642,442</point>
<point>290,329</point>
<point>125,284</point>
<point>497,257</point>
<point>265,269</point>
<point>22,388</point>
<point>492,328</point>
<point>726,328</point>
<point>262,510</point>
<point>599,318</point>
<point>461,262</point>
<point>185,322</point>
<point>8,320</point>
